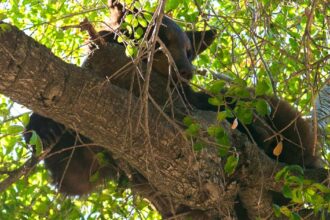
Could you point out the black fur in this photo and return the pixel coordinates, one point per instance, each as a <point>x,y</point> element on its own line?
<point>75,164</point>
<point>73,161</point>
<point>284,124</point>
<point>73,167</point>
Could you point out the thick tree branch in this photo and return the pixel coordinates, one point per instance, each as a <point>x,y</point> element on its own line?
<point>34,77</point>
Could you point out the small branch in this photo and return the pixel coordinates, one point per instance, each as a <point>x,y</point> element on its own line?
<point>85,25</point>
<point>15,175</point>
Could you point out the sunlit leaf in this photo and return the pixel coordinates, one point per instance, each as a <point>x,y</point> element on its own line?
<point>262,88</point>
<point>231,164</point>
<point>15,129</point>
<point>36,142</point>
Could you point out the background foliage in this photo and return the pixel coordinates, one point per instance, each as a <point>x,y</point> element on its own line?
<point>279,47</point>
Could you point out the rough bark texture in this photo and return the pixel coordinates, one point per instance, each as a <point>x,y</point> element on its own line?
<point>174,176</point>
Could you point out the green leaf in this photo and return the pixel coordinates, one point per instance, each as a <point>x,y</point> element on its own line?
<point>148,17</point>
<point>137,4</point>
<point>317,199</point>
<point>132,20</point>
<point>130,51</point>
<point>229,113</point>
<point>15,129</point>
<point>219,134</point>
<point>241,92</point>
<point>3,16</point>
<point>215,101</point>
<point>327,197</point>
<point>262,107</point>
<point>130,30</point>
<point>142,204</point>
<point>277,210</point>
<point>135,23</point>
<point>129,18</point>
<point>120,39</point>
<point>297,196</point>
<point>222,139</point>
<point>198,146</point>
<point>296,169</point>
<point>223,151</point>
<point>293,43</point>
<point>25,118</point>
<point>142,21</point>
<point>281,174</point>
<point>297,180</point>
<point>171,4</point>
<point>193,129</point>
<point>321,187</point>
<point>217,86</point>
<point>295,216</point>
<point>221,116</point>
<point>285,211</point>
<point>215,131</point>
<point>287,191</point>
<point>240,82</point>
<point>138,33</point>
<point>262,88</point>
<point>4,111</point>
<point>36,142</point>
<point>244,114</point>
<point>231,164</point>
<point>10,144</point>
<point>187,121</point>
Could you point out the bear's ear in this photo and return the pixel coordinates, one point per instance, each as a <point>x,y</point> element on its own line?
<point>201,40</point>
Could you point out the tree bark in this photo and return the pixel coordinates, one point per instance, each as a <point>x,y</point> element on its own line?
<point>146,139</point>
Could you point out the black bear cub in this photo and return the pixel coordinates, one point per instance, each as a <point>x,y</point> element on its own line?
<point>73,160</point>
<point>284,125</point>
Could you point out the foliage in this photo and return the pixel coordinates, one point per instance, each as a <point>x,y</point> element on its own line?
<point>279,47</point>
<point>301,192</point>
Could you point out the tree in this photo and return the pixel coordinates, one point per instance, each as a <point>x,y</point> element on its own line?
<point>160,149</point>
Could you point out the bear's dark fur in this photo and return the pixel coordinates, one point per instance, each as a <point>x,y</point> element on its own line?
<point>73,161</point>
<point>73,167</point>
<point>284,125</point>
<point>75,164</point>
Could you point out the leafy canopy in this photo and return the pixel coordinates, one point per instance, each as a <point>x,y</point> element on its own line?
<point>276,46</point>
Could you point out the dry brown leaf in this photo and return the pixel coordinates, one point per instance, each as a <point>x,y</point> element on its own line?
<point>234,124</point>
<point>278,149</point>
